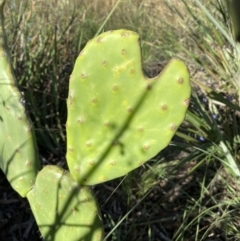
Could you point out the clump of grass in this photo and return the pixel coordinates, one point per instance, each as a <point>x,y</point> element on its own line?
<point>213,116</point>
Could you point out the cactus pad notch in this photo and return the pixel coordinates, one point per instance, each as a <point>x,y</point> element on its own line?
<point>117,118</point>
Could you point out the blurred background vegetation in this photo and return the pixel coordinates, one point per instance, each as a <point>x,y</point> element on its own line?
<point>190,191</point>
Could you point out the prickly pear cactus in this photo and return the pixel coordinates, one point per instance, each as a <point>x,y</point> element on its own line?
<point>18,152</point>
<point>117,118</point>
<point>64,210</point>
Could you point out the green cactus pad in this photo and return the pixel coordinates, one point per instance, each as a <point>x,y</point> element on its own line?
<point>64,210</point>
<point>18,152</point>
<point>117,118</point>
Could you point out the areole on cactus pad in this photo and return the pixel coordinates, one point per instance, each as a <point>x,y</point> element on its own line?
<point>117,118</point>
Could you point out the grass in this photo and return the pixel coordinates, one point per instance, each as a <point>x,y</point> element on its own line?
<point>190,191</point>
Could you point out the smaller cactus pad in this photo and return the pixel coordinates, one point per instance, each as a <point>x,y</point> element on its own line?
<point>117,118</point>
<point>18,151</point>
<point>63,210</point>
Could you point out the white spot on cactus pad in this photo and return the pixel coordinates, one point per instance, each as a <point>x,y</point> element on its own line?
<point>118,69</point>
